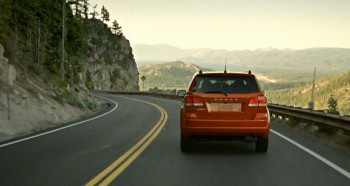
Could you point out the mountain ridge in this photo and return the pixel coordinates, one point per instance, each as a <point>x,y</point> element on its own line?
<point>337,59</point>
<point>169,75</point>
<point>337,85</point>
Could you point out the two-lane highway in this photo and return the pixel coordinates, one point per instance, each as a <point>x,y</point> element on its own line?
<point>88,153</point>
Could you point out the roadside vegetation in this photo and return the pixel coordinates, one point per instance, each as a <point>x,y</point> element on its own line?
<point>336,87</point>
<point>35,35</point>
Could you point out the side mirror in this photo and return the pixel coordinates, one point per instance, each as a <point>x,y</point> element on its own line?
<point>181,93</point>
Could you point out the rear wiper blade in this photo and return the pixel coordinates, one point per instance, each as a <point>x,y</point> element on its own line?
<point>218,91</point>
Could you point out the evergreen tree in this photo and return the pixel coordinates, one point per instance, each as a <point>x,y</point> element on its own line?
<point>85,8</point>
<point>94,14</point>
<point>116,28</point>
<point>6,32</point>
<point>332,105</point>
<point>104,14</point>
<point>103,10</point>
<point>77,4</point>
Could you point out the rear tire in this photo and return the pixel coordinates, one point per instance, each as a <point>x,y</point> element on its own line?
<point>262,145</point>
<point>185,144</point>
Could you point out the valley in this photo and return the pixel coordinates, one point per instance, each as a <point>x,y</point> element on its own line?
<point>291,88</point>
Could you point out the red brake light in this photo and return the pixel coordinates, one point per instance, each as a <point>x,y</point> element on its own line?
<point>193,101</point>
<point>263,101</point>
<point>257,101</point>
<point>253,102</point>
<point>197,101</point>
<point>188,100</point>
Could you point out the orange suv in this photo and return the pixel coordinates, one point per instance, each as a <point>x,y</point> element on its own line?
<point>224,107</point>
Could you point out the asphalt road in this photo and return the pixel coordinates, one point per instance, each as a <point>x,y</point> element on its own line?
<point>138,143</point>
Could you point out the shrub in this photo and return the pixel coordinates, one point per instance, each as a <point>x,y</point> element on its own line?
<point>333,105</point>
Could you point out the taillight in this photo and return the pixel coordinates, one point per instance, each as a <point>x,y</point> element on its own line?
<point>257,101</point>
<point>263,101</point>
<point>193,101</point>
<point>188,101</point>
<point>253,102</point>
<point>197,101</point>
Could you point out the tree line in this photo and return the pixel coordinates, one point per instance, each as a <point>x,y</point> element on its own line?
<point>82,10</point>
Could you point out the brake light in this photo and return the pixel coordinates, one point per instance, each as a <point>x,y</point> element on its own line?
<point>257,101</point>
<point>188,100</point>
<point>263,101</point>
<point>197,101</point>
<point>193,101</point>
<point>253,102</point>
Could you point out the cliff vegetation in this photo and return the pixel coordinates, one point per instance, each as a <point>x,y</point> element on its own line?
<point>36,34</point>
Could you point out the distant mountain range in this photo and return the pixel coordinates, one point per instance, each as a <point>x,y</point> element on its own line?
<point>337,59</point>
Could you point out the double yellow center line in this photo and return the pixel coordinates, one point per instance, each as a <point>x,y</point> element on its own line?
<point>118,166</point>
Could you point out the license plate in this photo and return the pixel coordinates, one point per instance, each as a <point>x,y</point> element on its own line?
<point>226,107</point>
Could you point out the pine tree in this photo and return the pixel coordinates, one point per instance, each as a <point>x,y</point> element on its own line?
<point>85,7</point>
<point>116,28</point>
<point>77,6</point>
<point>104,14</point>
<point>332,105</point>
<point>94,14</point>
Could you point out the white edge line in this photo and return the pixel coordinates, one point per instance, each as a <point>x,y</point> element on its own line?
<point>65,127</point>
<point>314,154</point>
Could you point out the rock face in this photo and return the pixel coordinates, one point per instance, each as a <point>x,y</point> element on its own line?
<point>110,63</point>
<point>31,103</point>
<point>7,71</point>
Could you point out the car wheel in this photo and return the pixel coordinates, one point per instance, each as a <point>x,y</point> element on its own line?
<point>262,145</point>
<point>185,144</point>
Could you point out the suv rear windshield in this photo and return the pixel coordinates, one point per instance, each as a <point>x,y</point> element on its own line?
<point>226,85</point>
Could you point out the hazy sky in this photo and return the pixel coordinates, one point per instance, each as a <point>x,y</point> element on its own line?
<point>233,24</point>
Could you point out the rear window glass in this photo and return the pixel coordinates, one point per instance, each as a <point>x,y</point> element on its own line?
<point>226,85</point>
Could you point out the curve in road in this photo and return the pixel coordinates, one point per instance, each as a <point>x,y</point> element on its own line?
<point>64,127</point>
<point>76,155</point>
<point>112,171</point>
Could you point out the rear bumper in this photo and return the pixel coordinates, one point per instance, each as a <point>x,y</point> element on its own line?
<point>195,127</point>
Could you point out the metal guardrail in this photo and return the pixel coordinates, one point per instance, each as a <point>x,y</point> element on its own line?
<point>317,117</point>
<point>322,118</point>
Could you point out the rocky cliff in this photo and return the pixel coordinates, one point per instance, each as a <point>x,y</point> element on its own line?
<point>110,63</point>
<point>28,104</point>
<point>37,89</point>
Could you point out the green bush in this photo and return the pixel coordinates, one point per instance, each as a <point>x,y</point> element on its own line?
<point>91,105</point>
<point>333,105</point>
<point>74,100</point>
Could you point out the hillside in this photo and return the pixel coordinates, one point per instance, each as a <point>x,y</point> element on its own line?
<point>177,75</point>
<point>31,33</point>
<point>328,60</point>
<point>172,75</point>
<point>48,66</point>
<point>338,85</point>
